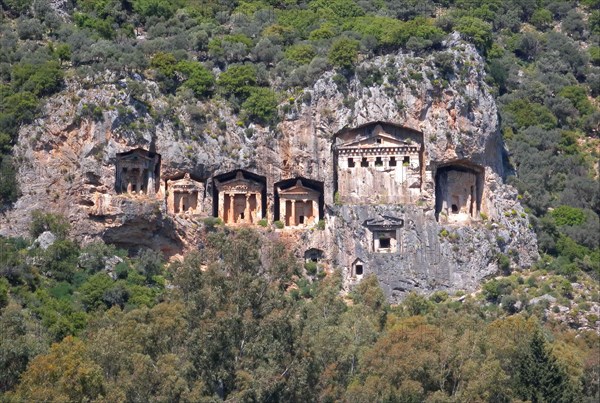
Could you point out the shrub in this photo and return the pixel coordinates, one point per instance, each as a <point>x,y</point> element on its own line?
<point>238,80</point>
<point>567,215</point>
<point>55,223</point>
<point>9,190</point>
<point>211,222</point>
<point>261,105</point>
<point>279,224</point>
<point>263,222</point>
<point>321,225</point>
<point>311,268</point>
<point>477,31</point>
<point>344,53</point>
<point>301,53</point>
<point>197,77</point>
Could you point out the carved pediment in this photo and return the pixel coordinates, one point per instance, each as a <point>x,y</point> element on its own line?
<point>299,190</point>
<point>184,184</point>
<point>376,141</point>
<point>384,222</point>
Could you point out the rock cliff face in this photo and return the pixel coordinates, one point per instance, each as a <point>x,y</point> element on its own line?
<point>439,238</point>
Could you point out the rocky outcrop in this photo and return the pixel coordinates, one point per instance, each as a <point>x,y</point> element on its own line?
<point>68,158</point>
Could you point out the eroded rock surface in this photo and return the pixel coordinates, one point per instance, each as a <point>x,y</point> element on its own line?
<point>69,159</point>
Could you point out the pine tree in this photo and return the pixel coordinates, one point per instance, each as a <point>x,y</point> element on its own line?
<point>539,376</point>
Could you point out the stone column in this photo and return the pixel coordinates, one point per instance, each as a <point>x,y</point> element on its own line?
<point>315,206</point>
<point>221,205</point>
<point>140,179</point>
<point>150,189</point>
<point>293,214</point>
<point>282,209</point>
<point>231,217</point>
<point>181,196</point>
<point>258,206</point>
<point>247,209</point>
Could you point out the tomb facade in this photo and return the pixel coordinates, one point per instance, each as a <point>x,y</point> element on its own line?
<point>240,197</point>
<point>379,163</point>
<point>137,172</point>
<point>184,195</point>
<point>458,192</point>
<point>297,205</point>
<point>385,234</point>
<point>358,269</point>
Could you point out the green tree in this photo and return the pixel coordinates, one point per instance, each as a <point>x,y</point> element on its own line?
<point>539,377</point>
<point>477,31</point>
<point>261,105</point>
<point>196,77</point>
<point>238,80</point>
<point>344,53</point>
<point>66,373</point>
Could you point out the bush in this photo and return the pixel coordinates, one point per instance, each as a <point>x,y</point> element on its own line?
<point>9,190</point>
<point>261,105</point>
<point>344,53</point>
<point>197,77</point>
<point>567,215</point>
<point>263,222</point>
<point>311,267</point>
<point>279,224</point>
<point>55,223</point>
<point>238,80</point>
<point>301,53</point>
<point>477,31</point>
<point>211,222</point>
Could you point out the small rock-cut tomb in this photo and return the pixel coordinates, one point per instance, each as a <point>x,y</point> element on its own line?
<point>298,202</point>
<point>458,191</point>
<point>358,269</point>
<point>138,172</point>
<point>184,194</point>
<point>240,197</point>
<point>378,163</point>
<point>385,233</point>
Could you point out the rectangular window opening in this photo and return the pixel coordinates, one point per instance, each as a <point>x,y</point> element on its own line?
<point>378,141</point>
<point>351,163</point>
<point>406,160</point>
<point>393,161</point>
<point>378,162</point>
<point>364,163</point>
<point>384,243</point>
<point>358,270</point>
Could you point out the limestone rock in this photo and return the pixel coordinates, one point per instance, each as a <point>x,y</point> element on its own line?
<point>45,240</point>
<point>69,166</point>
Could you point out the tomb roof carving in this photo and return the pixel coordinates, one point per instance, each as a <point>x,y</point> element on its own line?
<point>299,190</point>
<point>239,184</point>
<point>186,183</point>
<point>384,222</point>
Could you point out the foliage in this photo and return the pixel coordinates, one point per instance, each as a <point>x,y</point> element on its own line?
<point>261,105</point>
<point>344,53</point>
<point>55,223</point>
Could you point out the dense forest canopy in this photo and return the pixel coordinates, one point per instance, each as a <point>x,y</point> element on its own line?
<point>147,331</point>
